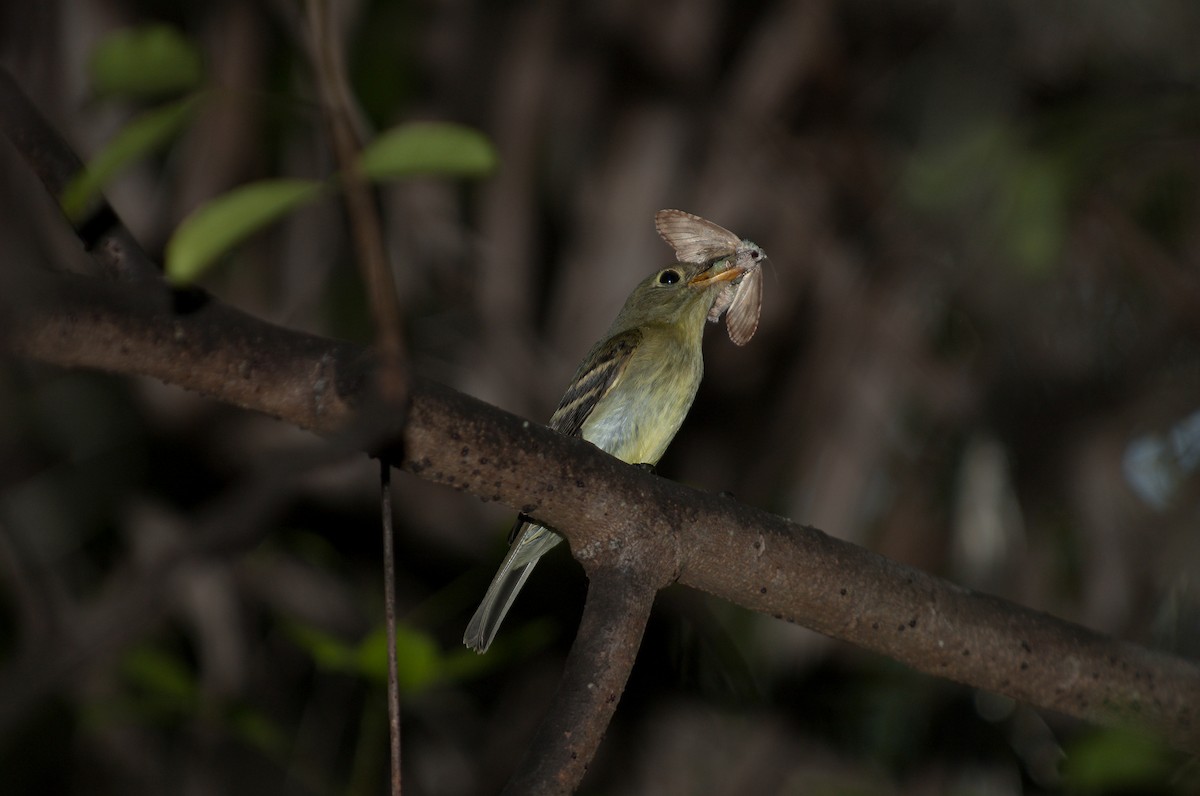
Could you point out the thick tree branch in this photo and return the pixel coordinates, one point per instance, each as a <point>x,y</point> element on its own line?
<point>606,645</point>
<point>182,338</point>
<point>755,559</point>
<point>766,563</point>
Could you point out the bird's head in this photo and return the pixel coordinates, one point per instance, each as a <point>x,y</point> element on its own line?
<point>680,293</point>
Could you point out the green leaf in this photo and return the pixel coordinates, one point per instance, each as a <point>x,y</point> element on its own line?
<point>1015,196</point>
<point>257,730</point>
<point>1116,759</point>
<point>160,675</point>
<point>960,170</point>
<point>418,660</point>
<point>216,227</point>
<point>438,148</point>
<point>145,134</point>
<point>1031,212</point>
<point>144,62</point>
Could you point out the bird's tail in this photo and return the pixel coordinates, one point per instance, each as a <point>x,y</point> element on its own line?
<point>533,542</point>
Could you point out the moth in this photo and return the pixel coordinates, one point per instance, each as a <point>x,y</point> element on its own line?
<point>698,240</point>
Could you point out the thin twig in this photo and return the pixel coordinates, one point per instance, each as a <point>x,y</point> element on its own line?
<point>392,383</point>
<point>389,610</point>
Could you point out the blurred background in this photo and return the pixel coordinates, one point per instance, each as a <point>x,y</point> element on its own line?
<point>979,355</point>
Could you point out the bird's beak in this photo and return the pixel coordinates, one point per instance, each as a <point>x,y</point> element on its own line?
<point>727,272</point>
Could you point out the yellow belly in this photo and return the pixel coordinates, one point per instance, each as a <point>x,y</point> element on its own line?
<point>639,416</point>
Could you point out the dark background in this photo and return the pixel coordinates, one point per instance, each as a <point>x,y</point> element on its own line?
<point>978,355</point>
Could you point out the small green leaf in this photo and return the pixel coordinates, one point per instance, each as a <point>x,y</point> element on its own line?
<point>438,148</point>
<point>144,62</point>
<point>961,170</point>
<point>257,730</point>
<point>1116,759</point>
<point>216,227</point>
<point>418,660</point>
<point>145,134</point>
<point>1030,212</point>
<point>160,675</point>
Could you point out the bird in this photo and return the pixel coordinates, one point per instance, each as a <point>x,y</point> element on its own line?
<point>628,397</point>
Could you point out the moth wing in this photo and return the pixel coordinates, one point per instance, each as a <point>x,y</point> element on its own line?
<point>742,318</point>
<point>694,239</point>
<point>722,303</point>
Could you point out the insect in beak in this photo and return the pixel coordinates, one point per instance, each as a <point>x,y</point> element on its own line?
<point>698,240</point>
<point>741,320</point>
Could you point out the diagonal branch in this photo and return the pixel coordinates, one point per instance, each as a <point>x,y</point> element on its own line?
<point>187,339</point>
<point>763,562</point>
<point>111,244</point>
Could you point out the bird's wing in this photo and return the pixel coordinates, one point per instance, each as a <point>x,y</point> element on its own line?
<point>694,239</point>
<point>596,376</point>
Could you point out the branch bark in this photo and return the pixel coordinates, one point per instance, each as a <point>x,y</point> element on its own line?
<point>606,645</point>
<point>110,243</point>
<point>763,562</point>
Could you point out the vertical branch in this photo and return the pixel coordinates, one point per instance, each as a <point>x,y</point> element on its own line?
<point>362,212</point>
<point>610,633</point>
<point>338,107</point>
<point>389,610</point>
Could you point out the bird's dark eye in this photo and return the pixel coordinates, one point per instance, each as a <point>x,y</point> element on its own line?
<point>668,277</point>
